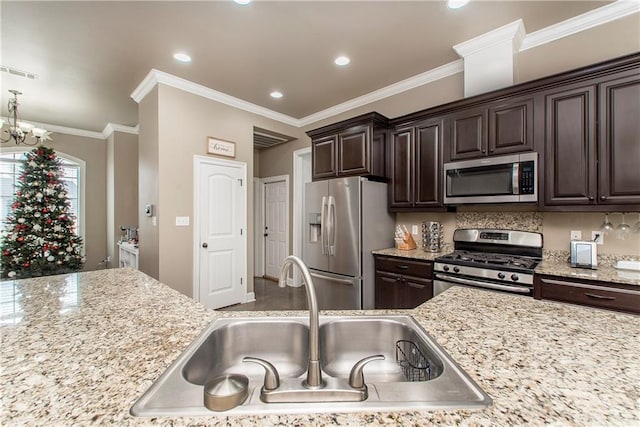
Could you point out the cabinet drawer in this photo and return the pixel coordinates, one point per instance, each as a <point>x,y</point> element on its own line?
<point>405,267</point>
<point>592,295</point>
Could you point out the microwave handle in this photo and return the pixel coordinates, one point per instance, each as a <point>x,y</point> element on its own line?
<point>515,179</point>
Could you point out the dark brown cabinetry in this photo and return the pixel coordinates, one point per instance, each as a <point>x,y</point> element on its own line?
<point>351,147</point>
<point>591,293</point>
<point>402,283</point>
<point>592,144</point>
<point>492,129</point>
<point>415,159</point>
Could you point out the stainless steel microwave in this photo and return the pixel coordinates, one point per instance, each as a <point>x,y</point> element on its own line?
<point>503,179</point>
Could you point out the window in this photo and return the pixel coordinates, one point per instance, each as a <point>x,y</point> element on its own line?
<point>11,168</point>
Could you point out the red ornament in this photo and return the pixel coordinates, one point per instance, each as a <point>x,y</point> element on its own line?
<point>39,152</point>
<point>50,174</point>
<point>26,264</point>
<point>49,221</point>
<point>52,156</point>
<point>56,247</point>
<point>45,210</point>
<point>6,253</point>
<point>20,239</point>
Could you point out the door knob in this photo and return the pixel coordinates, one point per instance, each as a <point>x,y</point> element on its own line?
<point>204,245</point>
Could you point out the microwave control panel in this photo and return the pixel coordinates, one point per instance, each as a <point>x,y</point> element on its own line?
<point>527,178</point>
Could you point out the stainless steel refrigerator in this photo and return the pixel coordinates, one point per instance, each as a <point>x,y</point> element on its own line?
<point>345,219</point>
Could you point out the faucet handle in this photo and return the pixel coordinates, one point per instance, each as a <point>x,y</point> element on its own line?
<point>271,376</point>
<point>356,378</point>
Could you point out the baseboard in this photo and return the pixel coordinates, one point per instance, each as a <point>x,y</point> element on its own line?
<point>251,296</point>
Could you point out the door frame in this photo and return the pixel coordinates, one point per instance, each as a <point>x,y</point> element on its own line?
<point>298,205</point>
<point>262,250</point>
<point>198,162</point>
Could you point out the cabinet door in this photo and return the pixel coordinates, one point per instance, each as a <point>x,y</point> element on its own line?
<point>323,155</point>
<point>416,292</point>
<point>468,133</point>
<point>511,127</point>
<point>401,188</point>
<point>353,151</point>
<point>427,164</point>
<point>388,290</point>
<point>570,157</point>
<point>619,143</point>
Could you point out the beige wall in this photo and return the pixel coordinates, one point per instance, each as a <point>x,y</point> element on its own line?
<point>122,188</point>
<point>181,136</point>
<point>148,193</point>
<point>93,152</point>
<point>556,228</point>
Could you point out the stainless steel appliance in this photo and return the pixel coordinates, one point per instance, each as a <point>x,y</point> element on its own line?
<point>504,179</point>
<point>583,254</point>
<point>346,218</point>
<point>502,260</point>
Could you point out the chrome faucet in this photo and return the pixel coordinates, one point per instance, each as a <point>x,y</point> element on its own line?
<point>314,373</point>
<point>314,388</point>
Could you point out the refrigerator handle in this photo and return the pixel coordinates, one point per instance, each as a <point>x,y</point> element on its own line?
<point>323,226</point>
<point>331,239</point>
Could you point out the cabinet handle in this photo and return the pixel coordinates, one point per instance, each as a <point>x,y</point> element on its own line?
<point>415,285</point>
<point>591,198</point>
<point>402,267</point>
<point>603,197</point>
<point>599,296</point>
<point>484,151</point>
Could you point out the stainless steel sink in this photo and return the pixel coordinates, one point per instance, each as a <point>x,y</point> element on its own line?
<point>433,381</point>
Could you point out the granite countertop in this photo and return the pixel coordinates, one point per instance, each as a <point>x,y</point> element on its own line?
<point>553,266</point>
<point>81,348</point>
<point>413,253</point>
<point>603,273</point>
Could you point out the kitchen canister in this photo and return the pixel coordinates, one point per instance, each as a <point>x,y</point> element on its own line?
<point>432,236</point>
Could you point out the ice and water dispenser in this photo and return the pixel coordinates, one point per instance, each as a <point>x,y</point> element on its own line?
<point>315,226</point>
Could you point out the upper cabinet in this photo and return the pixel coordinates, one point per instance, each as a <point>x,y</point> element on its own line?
<point>351,147</point>
<point>415,158</point>
<point>592,144</point>
<point>494,128</point>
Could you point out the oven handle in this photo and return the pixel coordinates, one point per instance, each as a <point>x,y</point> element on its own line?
<point>461,281</point>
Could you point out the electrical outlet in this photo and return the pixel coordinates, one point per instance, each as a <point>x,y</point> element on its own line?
<point>598,237</point>
<point>576,235</point>
<point>414,229</point>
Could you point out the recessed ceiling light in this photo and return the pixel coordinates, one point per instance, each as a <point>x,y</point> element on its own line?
<point>342,60</point>
<point>456,4</point>
<point>182,57</point>
<point>243,2</point>
<point>276,94</point>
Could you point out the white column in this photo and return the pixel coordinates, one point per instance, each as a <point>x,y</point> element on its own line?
<point>490,60</point>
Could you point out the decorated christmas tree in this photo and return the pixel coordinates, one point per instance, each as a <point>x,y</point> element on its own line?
<point>39,238</point>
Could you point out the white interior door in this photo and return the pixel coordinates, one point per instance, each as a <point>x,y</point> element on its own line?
<point>276,225</point>
<point>220,199</point>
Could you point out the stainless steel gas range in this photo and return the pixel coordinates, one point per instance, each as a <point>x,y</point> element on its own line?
<point>501,260</point>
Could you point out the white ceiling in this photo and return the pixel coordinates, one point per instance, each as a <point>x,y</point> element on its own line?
<point>90,56</point>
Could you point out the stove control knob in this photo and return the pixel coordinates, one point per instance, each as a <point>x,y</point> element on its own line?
<point>514,277</point>
<point>500,275</point>
<point>445,268</point>
<point>456,270</point>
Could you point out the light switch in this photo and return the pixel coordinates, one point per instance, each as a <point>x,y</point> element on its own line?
<point>182,221</point>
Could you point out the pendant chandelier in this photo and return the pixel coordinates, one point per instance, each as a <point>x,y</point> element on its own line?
<point>18,131</point>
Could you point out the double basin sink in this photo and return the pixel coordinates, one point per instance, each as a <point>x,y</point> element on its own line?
<point>416,373</point>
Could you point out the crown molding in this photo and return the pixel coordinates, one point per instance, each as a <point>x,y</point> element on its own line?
<point>513,31</point>
<point>600,16</point>
<point>160,77</point>
<point>421,79</point>
<point>114,127</point>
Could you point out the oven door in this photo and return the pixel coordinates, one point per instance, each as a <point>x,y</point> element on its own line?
<point>444,281</point>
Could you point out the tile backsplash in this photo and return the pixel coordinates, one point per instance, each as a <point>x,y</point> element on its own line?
<point>554,226</point>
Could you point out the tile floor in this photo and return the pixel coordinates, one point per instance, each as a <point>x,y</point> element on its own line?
<point>271,297</point>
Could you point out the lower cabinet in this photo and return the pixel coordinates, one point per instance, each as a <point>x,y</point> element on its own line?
<point>402,283</point>
<point>611,296</point>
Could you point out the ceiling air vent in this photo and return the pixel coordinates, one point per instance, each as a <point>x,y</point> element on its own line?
<point>263,138</point>
<point>19,73</point>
